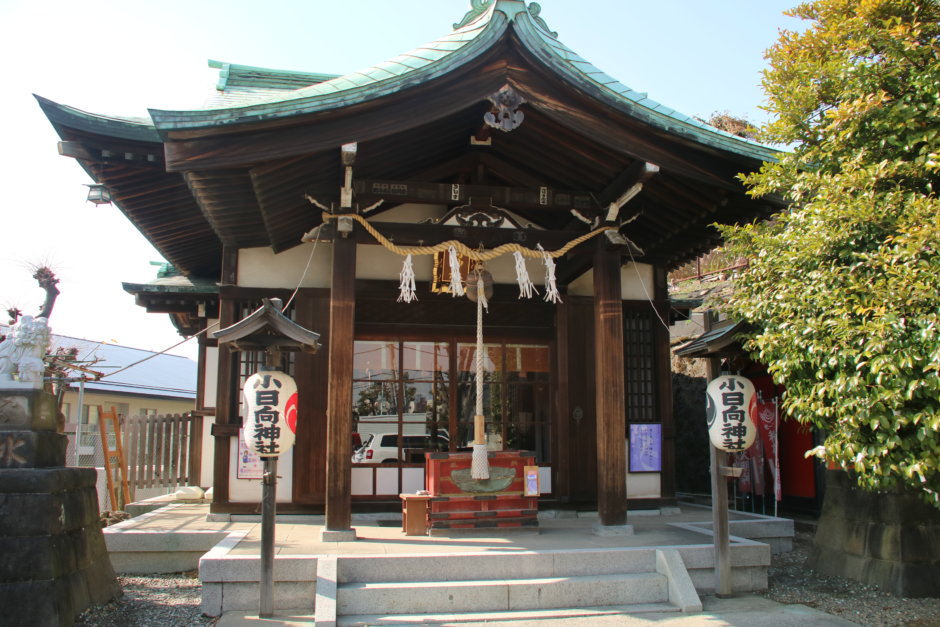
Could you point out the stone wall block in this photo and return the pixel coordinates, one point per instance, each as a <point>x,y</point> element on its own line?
<point>80,509</point>
<point>920,544</point>
<point>99,577</point>
<point>27,558</point>
<point>887,539</point>
<point>46,480</point>
<point>32,449</point>
<point>30,604</point>
<point>28,410</point>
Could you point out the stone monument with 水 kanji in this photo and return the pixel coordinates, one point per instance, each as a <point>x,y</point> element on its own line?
<point>54,563</point>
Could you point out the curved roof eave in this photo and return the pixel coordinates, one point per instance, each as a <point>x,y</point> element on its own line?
<point>134,129</point>
<point>412,68</point>
<point>471,38</point>
<point>590,79</point>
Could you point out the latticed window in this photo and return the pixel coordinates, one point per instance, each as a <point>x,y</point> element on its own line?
<point>639,366</point>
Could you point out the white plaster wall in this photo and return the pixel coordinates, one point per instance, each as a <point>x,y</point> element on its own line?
<point>361,481</point>
<point>642,485</point>
<point>636,282</point>
<point>211,376</point>
<point>260,267</point>
<point>249,490</point>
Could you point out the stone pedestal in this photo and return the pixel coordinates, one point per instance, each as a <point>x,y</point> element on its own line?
<point>54,562</point>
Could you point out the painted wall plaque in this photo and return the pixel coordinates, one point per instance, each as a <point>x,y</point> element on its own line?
<point>646,447</point>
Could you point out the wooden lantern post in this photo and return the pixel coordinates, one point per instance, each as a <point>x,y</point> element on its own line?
<point>270,397</point>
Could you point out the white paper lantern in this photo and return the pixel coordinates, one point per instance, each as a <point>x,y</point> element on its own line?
<point>729,404</point>
<point>270,413</point>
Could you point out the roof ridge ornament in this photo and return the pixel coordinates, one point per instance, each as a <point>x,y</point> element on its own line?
<point>534,10</point>
<point>477,8</point>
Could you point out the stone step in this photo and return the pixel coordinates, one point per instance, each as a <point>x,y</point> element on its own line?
<point>496,565</point>
<point>554,614</point>
<point>396,598</point>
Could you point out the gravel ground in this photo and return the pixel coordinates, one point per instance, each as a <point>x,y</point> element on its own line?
<point>173,600</point>
<point>792,582</point>
<point>151,601</point>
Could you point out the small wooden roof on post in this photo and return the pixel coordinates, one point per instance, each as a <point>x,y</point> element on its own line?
<point>269,330</point>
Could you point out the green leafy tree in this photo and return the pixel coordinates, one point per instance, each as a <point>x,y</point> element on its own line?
<point>844,286</point>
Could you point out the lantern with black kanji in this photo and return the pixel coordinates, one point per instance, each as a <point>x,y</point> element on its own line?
<point>729,404</point>
<point>270,413</point>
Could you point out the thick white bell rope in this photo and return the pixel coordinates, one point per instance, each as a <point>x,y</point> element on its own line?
<point>479,464</point>
<point>407,285</point>
<point>551,288</point>
<point>456,281</point>
<point>526,287</point>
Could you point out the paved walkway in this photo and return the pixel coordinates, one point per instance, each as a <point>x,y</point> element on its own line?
<point>741,611</point>
<point>381,534</point>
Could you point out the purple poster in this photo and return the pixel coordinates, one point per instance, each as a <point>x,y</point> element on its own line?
<point>646,447</point>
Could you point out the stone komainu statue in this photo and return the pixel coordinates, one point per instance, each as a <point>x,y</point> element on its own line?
<point>21,353</point>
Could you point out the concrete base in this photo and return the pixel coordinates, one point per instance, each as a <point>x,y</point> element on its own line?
<point>612,530</point>
<point>344,535</point>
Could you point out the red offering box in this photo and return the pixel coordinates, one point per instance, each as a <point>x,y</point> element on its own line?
<point>500,502</point>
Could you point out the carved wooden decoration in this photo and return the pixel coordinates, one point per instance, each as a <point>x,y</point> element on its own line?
<point>474,215</point>
<point>505,114</point>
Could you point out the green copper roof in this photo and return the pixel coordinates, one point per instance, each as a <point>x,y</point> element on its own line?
<point>241,85</point>
<point>132,128</point>
<point>482,27</point>
<point>638,104</point>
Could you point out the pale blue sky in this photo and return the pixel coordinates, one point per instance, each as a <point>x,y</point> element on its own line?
<point>122,57</point>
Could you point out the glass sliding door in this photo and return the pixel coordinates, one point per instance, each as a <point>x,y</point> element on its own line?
<point>413,397</point>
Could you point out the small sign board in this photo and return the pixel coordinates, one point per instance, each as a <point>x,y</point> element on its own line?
<point>249,465</point>
<point>531,480</point>
<point>646,447</point>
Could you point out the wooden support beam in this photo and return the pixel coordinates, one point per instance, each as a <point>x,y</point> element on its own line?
<point>636,172</point>
<point>339,388</point>
<point>95,154</point>
<point>431,235</point>
<point>541,197</point>
<point>610,389</point>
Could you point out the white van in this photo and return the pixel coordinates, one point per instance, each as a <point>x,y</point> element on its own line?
<point>382,448</point>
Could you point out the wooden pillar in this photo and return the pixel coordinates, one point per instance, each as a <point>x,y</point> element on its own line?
<point>563,443</point>
<point>339,389</point>
<point>663,374</point>
<point>226,397</point>
<point>609,388</point>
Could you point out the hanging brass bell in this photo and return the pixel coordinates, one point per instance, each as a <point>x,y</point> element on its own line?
<point>473,282</point>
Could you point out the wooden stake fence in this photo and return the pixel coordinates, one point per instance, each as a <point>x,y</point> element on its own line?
<point>163,451</point>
